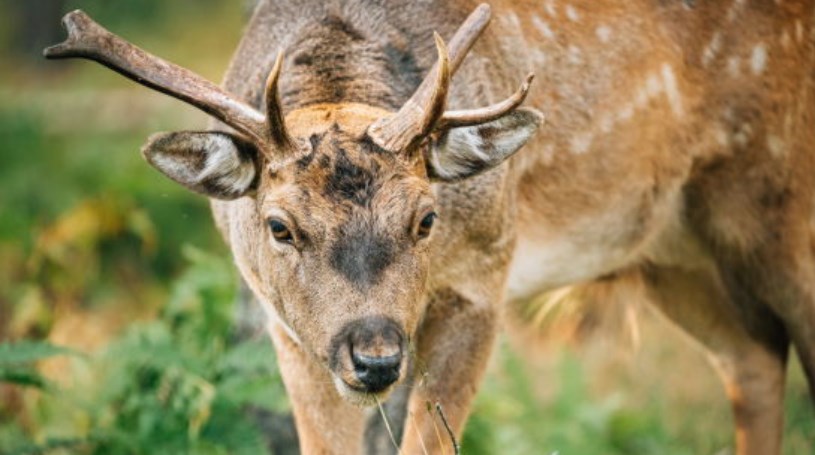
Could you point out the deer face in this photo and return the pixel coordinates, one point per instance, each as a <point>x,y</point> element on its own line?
<point>333,211</point>
<point>348,238</point>
<point>338,238</point>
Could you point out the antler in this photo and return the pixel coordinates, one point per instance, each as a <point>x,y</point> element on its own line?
<point>424,111</point>
<point>274,112</point>
<point>470,117</point>
<point>87,39</point>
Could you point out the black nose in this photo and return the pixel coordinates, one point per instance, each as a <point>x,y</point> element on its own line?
<point>377,373</point>
<point>371,349</point>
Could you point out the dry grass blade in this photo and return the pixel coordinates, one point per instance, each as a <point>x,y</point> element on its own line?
<point>435,427</point>
<point>418,433</point>
<point>456,447</point>
<point>387,425</point>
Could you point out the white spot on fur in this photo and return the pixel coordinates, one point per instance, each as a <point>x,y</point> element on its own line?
<point>581,143</point>
<point>742,136</point>
<point>727,113</point>
<point>776,146</point>
<point>672,90</point>
<point>712,49</point>
<point>550,8</point>
<point>799,31</point>
<point>642,98</point>
<point>515,43</point>
<point>734,10</point>
<point>786,41</point>
<point>734,66</point>
<point>606,124</point>
<point>513,20</point>
<point>543,27</point>
<point>575,56</point>
<point>758,59</point>
<point>625,113</point>
<point>572,14</point>
<point>653,85</point>
<point>721,136</point>
<point>603,33</point>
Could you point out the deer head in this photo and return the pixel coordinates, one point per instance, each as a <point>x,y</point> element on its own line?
<point>332,204</point>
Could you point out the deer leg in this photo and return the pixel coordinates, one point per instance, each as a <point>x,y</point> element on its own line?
<point>326,423</point>
<point>791,292</point>
<point>789,289</point>
<point>802,333</point>
<point>780,274</point>
<point>750,358</point>
<point>453,346</point>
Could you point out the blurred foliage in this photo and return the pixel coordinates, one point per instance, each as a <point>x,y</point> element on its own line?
<point>16,360</point>
<point>91,254</point>
<point>176,384</point>
<point>85,223</point>
<point>574,416</point>
<point>101,254</point>
<point>574,422</point>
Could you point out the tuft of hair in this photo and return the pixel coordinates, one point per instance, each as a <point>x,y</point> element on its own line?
<point>599,310</point>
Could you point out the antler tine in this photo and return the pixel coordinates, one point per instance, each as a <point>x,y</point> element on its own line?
<point>470,117</point>
<point>438,98</point>
<point>87,39</point>
<point>276,125</point>
<point>419,114</point>
<point>467,34</point>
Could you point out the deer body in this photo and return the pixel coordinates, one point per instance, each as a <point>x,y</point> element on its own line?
<point>677,150</point>
<point>674,134</point>
<point>687,164</point>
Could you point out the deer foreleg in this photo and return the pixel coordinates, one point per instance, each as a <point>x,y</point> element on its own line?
<point>451,355</point>
<point>326,423</point>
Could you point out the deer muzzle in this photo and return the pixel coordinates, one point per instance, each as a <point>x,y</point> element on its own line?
<point>368,355</point>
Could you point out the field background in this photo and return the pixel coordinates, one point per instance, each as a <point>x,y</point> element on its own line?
<point>105,258</point>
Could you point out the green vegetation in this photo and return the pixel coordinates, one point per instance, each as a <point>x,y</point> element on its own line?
<point>174,384</point>
<point>119,294</point>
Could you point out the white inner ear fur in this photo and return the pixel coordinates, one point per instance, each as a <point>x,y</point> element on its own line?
<point>224,164</point>
<point>466,151</point>
<point>222,168</point>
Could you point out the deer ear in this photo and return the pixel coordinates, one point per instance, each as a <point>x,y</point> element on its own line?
<point>215,164</point>
<point>466,151</point>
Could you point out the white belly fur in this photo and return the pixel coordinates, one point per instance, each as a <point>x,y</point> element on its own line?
<point>593,246</point>
<point>539,266</point>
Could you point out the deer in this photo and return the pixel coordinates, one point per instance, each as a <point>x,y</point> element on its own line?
<point>384,232</point>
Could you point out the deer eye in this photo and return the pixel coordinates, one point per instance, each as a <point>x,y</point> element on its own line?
<point>280,231</point>
<point>425,225</point>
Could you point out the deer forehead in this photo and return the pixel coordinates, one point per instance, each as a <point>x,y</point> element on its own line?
<point>342,171</point>
<point>353,118</point>
<point>336,179</point>
<point>340,166</point>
